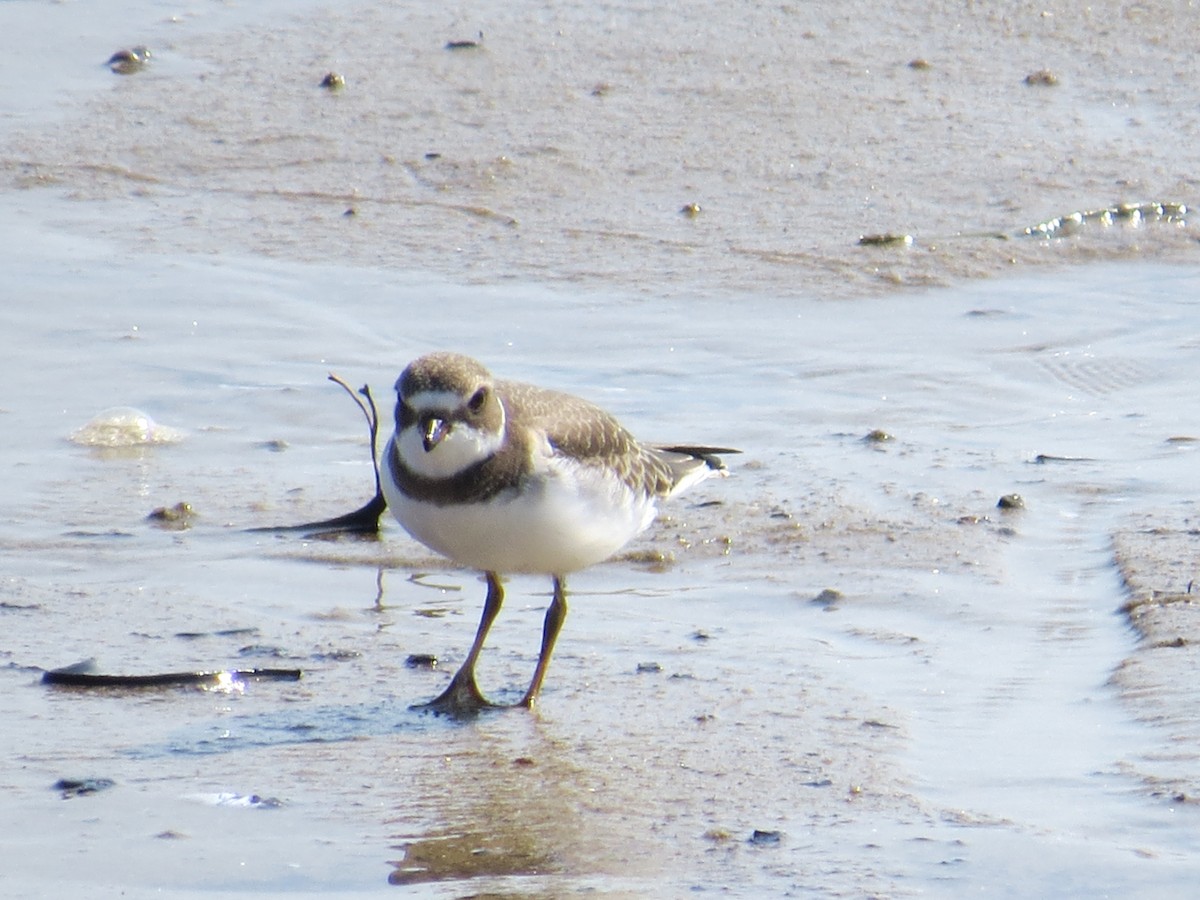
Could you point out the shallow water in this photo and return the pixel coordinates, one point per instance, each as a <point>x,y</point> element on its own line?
<point>957,718</point>
<point>948,713</point>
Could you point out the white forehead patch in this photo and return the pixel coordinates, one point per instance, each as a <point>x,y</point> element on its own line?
<point>435,400</point>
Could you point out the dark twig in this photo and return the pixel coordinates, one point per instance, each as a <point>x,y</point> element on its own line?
<point>365,519</point>
<point>83,675</point>
<point>371,413</point>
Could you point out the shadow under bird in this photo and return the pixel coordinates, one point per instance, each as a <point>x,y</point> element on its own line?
<point>511,478</point>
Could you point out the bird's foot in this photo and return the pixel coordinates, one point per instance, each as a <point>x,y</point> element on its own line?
<point>461,699</point>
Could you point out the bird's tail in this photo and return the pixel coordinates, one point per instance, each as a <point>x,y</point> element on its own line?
<point>711,456</point>
<point>692,463</point>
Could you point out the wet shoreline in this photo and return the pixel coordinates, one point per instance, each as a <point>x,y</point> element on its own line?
<point>846,671</point>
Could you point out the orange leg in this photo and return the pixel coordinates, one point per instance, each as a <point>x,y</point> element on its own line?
<point>462,696</point>
<point>555,616</point>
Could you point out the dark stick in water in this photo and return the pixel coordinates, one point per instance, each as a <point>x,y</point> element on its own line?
<point>364,520</point>
<point>83,674</point>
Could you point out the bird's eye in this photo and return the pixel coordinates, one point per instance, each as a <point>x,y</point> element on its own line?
<point>475,404</point>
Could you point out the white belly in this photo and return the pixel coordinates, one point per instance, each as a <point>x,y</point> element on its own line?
<point>563,520</point>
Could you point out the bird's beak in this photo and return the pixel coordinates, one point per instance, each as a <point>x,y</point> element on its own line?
<point>434,432</point>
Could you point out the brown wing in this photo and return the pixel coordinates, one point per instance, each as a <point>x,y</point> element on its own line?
<point>587,433</point>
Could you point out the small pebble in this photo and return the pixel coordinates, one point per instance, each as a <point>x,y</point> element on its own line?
<point>761,837</point>
<point>1041,78</point>
<point>333,81</point>
<point>262,651</point>
<point>651,556</point>
<point>1042,458</point>
<point>126,62</point>
<point>1011,501</point>
<point>79,787</point>
<point>176,518</point>
<point>885,240</point>
<point>465,45</point>
<point>827,597</point>
<point>421,661</point>
<point>250,801</point>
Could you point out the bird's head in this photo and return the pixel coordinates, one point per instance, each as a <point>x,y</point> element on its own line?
<point>448,415</point>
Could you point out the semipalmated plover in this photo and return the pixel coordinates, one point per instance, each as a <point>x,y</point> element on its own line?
<point>511,478</point>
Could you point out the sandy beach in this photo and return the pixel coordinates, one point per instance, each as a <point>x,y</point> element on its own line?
<point>843,671</point>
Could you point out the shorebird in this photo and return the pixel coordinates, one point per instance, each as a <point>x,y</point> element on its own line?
<point>510,478</point>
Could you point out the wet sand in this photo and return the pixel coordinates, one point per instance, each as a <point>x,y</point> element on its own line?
<point>842,671</point>
<point>569,145</point>
<point>1155,552</point>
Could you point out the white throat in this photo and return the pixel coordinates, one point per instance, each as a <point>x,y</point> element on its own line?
<point>461,448</point>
